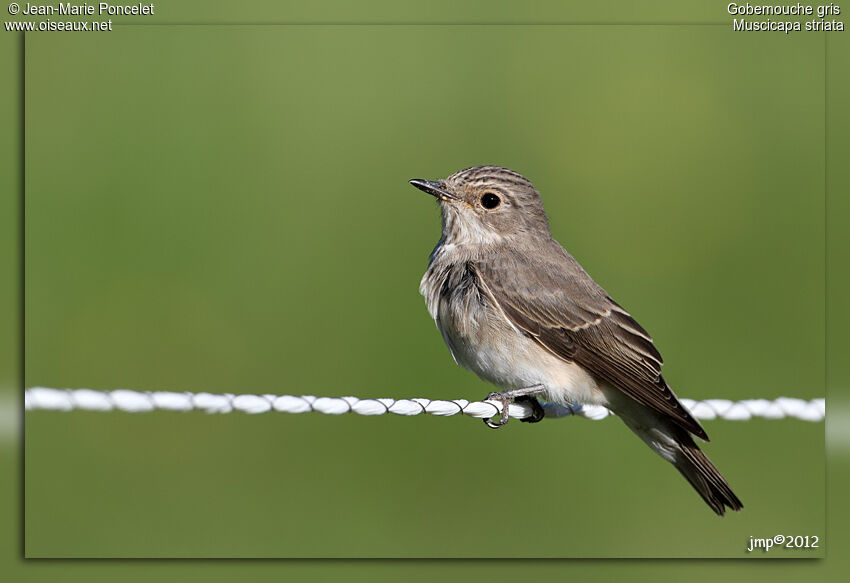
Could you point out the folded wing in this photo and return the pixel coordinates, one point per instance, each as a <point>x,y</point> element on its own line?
<point>558,304</point>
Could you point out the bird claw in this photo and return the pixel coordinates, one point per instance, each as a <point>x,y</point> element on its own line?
<point>503,418</point>
<point>537,412</point>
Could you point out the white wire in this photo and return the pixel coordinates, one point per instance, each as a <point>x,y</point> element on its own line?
<point>41,398</point>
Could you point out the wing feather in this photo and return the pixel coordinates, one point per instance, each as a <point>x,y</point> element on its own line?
<point>558,304</point>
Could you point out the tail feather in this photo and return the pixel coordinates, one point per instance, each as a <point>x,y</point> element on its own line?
<point>698,470</point>
<point>677,446</point>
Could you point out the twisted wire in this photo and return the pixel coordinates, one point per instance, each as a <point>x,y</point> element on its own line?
<point>42,398</point>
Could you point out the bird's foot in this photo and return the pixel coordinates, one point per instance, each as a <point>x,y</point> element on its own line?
<point>518,395</point>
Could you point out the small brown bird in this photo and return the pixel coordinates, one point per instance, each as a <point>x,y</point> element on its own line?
<point>516,309</point>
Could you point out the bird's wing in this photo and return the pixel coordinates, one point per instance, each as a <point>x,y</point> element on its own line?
<point>556,302</point>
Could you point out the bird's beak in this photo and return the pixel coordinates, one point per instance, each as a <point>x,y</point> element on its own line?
<point>433,188</point>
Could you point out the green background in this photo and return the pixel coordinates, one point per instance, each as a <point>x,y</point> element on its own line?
<point>225,209</point>
<point>181,188</point>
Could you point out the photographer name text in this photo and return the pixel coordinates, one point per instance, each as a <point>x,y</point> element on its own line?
<point>100,9</point>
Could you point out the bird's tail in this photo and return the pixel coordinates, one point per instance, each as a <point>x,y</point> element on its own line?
<point>704,477</point>
<point>677,446</point>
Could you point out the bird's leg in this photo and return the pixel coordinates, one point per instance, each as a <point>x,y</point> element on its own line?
<point>504,397</point>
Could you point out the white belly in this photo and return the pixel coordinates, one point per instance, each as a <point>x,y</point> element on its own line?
<point>491,348</point>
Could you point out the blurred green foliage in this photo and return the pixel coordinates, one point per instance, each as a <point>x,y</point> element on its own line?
<point>226,209</point>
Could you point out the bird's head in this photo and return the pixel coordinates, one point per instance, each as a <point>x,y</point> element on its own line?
<point>487,204</point>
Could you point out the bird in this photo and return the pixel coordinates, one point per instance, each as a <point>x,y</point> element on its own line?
<point>514,307</point>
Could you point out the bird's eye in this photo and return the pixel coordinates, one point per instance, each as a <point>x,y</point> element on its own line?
<point>490,200</point>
